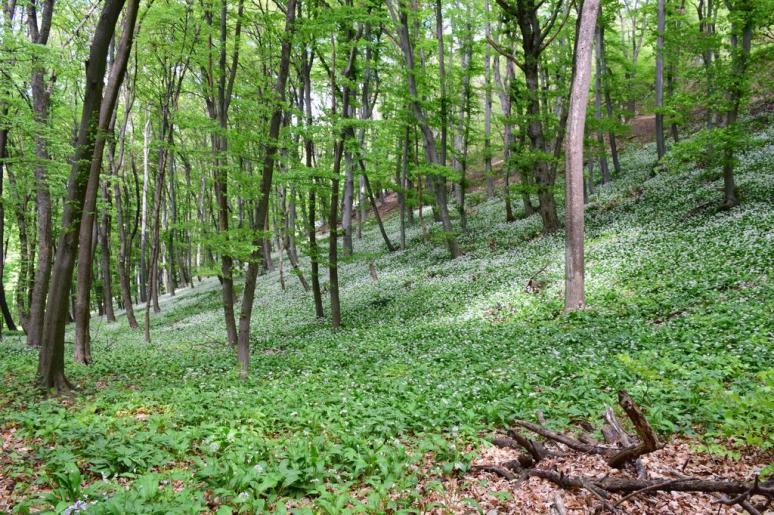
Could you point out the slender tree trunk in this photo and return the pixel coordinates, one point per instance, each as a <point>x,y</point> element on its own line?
<point>742,26</point>
<point>262,208</point>
<point>370,192</point>
<point>333,263</point>
<point>574,296</point>
<point>144,217</point>
<point>402,180</point>
<point>124,247</point>
<point>490,183</point>
<point>598,108</point>
<point>25,253</point>
<point>40,103</point>
<point>3,243</point>
<point>401,21</point>
<point>107,281</point>
<point>124,259</point>
<point>348,204</point>
<point>608,101</point>
<point>314,251</point>
<point>660,143</point>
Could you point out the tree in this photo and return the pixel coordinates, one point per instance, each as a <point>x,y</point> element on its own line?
<point>574,262</point>
<point>262,207</point>
<point>742,14</point>
<point>535,38</point>
<point>660,143</point>
<point>96,112</point>
<point>399,17</point>
<point>41,93</point>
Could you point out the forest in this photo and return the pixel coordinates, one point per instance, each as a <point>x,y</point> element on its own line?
<point>365,256</point>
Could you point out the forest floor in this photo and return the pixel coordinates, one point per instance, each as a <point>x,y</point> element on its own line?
<point>389,412</point>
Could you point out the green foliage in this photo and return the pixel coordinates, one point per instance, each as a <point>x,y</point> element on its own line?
<point>432,355</point>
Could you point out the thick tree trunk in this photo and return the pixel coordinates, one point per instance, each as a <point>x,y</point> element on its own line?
<point>574,296</point>
<point>96,113</point>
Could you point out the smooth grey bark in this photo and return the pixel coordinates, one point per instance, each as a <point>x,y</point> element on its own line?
<point>574,282</point>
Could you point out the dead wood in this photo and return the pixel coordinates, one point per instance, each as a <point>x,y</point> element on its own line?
<point>726,491</point>
<point>648,439</point>
<point>570,442</point>
<point>557,506</point>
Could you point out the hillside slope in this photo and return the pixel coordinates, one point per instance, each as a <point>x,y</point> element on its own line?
<point>680,299</point>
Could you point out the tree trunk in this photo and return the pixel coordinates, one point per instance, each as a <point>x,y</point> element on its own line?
<point>262,208</point>
<point>40,104</point>
<point>431,155</point>
<point>333,264</point>
<point>96,114</point>
<point>660,143</point>
<point>107,281</point>
<point>348,204</point>
<point>370,192</point>
<point>3,244</point>
<point>742,26</point>
<point>574,296</point>
<point>490,183</point>
<point>598,108</point>
<point>144,217</point>
<point>608,101</point>
<point>124,258</point>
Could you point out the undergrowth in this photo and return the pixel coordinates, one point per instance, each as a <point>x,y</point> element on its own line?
<point>680,300</point>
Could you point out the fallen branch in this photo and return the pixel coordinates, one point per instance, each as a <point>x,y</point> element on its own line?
<point>727,492</point>
<point>570,442</point>
<point>613,485</point>
<point>648,439</point>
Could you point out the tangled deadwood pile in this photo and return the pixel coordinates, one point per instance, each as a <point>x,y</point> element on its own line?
<point>621,451</point>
